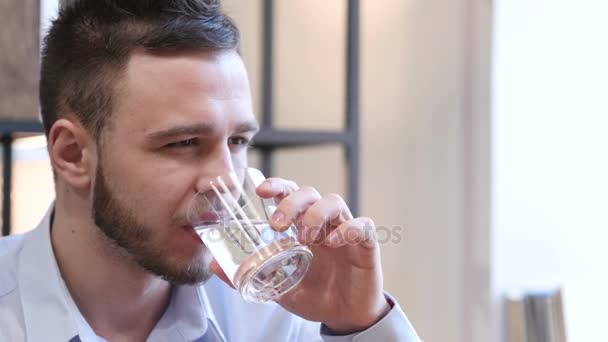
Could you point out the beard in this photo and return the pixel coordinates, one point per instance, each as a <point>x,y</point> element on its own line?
<point>128,235</point>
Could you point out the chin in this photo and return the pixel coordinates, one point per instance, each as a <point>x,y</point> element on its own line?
<point>186,271</point>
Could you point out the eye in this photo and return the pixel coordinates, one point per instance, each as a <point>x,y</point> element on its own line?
<point>239,141</point>
<point>183,143</point>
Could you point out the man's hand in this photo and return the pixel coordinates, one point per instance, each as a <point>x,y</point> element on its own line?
<point>344,286</point>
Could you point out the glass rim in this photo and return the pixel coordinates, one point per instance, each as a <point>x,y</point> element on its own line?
<point>204,193</point>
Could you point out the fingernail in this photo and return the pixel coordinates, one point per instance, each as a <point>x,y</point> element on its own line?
<point>278,219</point>
<point>271,186</point>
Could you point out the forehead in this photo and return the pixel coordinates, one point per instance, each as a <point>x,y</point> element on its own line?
<point>164,90</point>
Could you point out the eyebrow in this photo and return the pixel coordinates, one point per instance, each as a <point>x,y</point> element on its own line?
<point>200,129</point>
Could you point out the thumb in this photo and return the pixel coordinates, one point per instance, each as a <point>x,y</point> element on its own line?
<point>217,270</point>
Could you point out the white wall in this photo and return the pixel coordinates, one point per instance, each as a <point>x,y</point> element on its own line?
<point>48,12</point>
<point>550,168</point>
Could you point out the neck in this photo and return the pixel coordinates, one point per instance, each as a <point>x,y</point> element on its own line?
<point>115,295</point>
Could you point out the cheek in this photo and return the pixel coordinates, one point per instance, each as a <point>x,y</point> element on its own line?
<point>155,195</point>
<point>154,185</point>
<point>166,194</point>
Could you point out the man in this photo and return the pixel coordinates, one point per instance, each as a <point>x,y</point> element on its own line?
<point>143,102</point>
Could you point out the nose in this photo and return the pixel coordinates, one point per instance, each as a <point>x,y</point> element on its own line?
<point>219,165</point>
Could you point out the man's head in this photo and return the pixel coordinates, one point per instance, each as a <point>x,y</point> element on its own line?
<point>142,103</point>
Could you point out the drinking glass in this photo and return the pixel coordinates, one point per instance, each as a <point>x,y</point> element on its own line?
<point>233,222</point>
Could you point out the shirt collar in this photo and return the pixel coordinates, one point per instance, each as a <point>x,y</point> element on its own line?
<point>47,302</point>
<point>46,311</point>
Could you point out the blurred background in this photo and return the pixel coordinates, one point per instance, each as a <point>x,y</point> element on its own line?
<point>471,131</point>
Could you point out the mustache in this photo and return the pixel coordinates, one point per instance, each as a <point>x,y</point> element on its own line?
<point>179,221</point>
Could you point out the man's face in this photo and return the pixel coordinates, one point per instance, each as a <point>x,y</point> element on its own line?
<point>180,120</point>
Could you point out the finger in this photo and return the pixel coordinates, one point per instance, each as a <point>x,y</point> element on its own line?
<point>290,208</point>
<point>277,188</point>
<point>359,231</point>
<point>217,270</point>
<point>330,211</point>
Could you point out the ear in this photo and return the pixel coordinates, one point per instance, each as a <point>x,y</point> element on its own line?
<point>73,152</point>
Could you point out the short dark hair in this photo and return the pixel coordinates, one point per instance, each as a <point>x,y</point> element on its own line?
<point>88,46</point>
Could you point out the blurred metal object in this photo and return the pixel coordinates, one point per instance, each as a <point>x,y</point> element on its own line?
<point>19,68</point>
<point>535,316</point>
<point>7,176</point>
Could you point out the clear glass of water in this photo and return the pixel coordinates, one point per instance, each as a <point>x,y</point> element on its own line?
<point>233,222</point>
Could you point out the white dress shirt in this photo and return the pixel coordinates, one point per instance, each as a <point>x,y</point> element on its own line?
<point>35,305</point>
